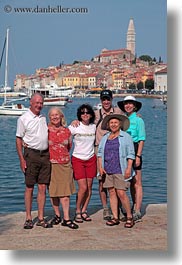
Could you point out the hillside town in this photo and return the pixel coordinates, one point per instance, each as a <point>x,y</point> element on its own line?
<point>118,70</point>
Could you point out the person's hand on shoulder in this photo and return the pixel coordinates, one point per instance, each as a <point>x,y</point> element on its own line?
<point>75,123</point>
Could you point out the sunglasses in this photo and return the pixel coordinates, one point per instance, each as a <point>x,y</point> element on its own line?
<point>85,112</point>
<point>106,98</point>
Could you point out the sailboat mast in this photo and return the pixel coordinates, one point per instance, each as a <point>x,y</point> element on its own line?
<point>6,65</point>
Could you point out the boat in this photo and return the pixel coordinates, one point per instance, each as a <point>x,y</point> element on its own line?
<point>97,106</point>
<point>60,91</point>
<point>49,99</point>
<point>8,107</point>
<point>55,101</point>
<point>13,94</point>
<point>8,89</point>
<point>13,109</point>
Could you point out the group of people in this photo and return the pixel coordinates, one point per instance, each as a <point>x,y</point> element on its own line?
<point>108,143</point>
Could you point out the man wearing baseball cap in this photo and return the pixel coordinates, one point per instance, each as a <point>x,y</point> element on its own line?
<point>106,94</point>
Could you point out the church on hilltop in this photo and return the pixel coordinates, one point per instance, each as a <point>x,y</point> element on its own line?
<point>125,54</point>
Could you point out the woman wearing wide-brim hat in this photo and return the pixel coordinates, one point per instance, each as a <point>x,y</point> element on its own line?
<point>137,131</point>
<point>132,99</point>
<point>115,160</point>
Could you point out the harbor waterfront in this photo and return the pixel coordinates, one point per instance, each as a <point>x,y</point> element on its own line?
<point>154,114</point>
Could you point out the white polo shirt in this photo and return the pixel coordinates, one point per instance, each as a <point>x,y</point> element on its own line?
<point>33,130</point>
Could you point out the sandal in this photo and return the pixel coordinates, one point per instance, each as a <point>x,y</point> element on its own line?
<point>70,224</point>
<point>28,224</point>
<point>113,222</point>
<point>86,217</point>
<point>77,218</point>
<point>129,222</point>
<point>43,223</point>
<point>56,220</point>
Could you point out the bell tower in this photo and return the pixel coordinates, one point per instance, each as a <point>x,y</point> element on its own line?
<point>130,40</point>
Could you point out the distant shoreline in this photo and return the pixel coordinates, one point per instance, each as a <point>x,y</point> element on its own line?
<point>98,95</point>
<point>124,95</point>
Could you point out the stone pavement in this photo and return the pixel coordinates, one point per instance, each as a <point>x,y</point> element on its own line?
<point>150,234</point>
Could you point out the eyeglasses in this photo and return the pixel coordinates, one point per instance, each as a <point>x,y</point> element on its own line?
<point>85,112</point>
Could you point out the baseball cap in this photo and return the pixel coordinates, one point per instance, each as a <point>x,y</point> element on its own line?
<point>106,94</point>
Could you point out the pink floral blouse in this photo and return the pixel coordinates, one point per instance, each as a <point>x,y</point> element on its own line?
<point>60,142</point>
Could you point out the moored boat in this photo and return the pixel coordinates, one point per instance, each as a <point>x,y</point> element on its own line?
<point>97,106</point>
<point>12,109</point>
<point>60,91</point>
<point>12,94</point>
<point>55,101</point>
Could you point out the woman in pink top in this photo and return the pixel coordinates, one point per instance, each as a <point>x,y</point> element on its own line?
<point>62,183</point>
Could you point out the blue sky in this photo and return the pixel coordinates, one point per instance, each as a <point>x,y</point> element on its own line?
<point>44,39</point>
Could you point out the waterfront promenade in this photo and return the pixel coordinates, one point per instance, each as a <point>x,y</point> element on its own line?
<point>150,234</point>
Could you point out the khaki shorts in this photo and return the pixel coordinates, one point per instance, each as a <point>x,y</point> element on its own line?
<point>117,181</point>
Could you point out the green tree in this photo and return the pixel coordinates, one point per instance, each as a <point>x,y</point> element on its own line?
<point>132,86</point>
<point>149,84</point>
<point>76,62</point>
<point>140,85</point>
<point>134,60</point>
<point>160,60</point>
<point>145,58</point>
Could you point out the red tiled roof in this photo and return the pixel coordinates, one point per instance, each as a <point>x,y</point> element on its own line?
<point>162,71</point>
<point>112,52</point>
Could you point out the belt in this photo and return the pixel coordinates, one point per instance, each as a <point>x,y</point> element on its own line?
<point>38,151</point>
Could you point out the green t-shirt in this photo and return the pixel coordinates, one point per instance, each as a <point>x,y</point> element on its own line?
<point>136,128</point>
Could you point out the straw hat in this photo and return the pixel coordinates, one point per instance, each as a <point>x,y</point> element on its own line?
<point>137,104</point>
<point>123,118</point>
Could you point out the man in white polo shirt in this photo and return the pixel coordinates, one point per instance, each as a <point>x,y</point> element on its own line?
<point>32,149</point>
